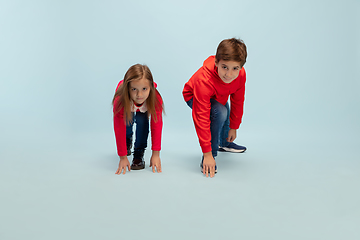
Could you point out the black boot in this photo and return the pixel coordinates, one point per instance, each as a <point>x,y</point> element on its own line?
<point>129,145</point>
<point>138,159</point>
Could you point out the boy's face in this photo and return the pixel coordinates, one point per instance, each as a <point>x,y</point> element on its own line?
<point>139,90</point>
<point>228,70</point>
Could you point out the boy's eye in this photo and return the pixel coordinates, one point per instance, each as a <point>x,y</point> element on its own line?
<point>224,67</point>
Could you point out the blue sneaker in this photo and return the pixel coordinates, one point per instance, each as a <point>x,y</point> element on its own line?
<point>201,165</point>
<point>233,147</point>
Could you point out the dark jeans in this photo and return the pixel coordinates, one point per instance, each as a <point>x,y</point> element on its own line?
<point>142,130</point>
<point>219,124</point>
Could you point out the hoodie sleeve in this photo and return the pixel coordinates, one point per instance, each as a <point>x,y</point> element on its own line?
<point>237,102</point>
<point>156,127</point>
<point>120,128</point>
<point>201,111</point>
<point>120,133</point>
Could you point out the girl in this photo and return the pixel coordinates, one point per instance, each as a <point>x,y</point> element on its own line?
<point>135,100</point>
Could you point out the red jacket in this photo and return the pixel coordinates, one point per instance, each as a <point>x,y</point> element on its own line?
<point>120,129</point>
<point>206,84</point>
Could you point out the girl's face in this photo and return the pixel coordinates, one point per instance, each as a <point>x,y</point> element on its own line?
<point>139,90</point>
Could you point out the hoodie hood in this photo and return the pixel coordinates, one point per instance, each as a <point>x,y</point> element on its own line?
<point>210,68</point>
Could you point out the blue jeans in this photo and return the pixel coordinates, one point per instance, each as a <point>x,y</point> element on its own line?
<point>142,129</point>
<point>219,124</point>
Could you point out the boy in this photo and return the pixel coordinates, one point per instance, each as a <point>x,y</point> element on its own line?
<point>207,93</point>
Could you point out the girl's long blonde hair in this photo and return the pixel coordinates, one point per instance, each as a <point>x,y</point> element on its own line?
<point>122,96</point>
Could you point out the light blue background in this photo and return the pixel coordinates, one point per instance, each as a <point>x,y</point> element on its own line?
<point>60,62</point>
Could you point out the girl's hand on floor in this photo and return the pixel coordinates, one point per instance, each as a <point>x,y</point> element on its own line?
<point>124,162</point>
<point>155,161</point>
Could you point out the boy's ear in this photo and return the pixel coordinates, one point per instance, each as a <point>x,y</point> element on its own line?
<point>216,62</point>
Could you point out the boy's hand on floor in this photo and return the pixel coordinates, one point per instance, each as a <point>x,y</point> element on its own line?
<point>209,165</point>
<point>124,162</point>
<point>231,136</point>
<point>155,161</point>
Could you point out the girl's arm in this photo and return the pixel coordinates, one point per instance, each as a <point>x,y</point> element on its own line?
<point>124,162</point>
<point>156,129</point>
<point>120,133</point>
<point>155,161</point>
<point>120,136</point>
<point>156,132</point>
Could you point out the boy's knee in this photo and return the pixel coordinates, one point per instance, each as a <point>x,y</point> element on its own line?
<point>218,111</point>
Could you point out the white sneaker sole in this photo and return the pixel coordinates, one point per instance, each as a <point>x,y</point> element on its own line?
<point>225,149</point>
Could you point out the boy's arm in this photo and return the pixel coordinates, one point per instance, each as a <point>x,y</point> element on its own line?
<point>237,103</point>
<point>231,135</point>
<point>201,114</point>
<point>209,164</point>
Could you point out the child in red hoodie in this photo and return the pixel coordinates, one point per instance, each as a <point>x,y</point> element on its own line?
<point>135,100</point>
<point>207,93</point>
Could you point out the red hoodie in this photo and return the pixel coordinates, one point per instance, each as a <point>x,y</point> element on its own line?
<point>206,84</point>
<point>120,128</point>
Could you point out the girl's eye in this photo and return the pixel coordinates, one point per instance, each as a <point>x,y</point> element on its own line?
<point>144,89</point>
<point>133,89</point>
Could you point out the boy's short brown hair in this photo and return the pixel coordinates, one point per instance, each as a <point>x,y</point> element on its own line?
<point>232,50</point>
